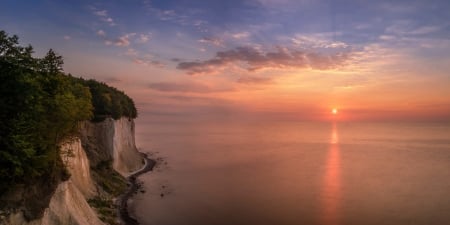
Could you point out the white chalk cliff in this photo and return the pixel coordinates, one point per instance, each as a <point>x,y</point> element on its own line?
<point>112,139</point>
<point>108,140</point>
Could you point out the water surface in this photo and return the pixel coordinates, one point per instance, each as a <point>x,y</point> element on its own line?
<point>296,173</point>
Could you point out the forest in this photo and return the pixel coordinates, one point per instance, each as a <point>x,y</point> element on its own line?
<point>41,106</point>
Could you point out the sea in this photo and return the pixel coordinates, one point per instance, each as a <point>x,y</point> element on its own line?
<point>289,172</point>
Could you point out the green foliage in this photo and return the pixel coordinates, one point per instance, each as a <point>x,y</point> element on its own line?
<point>40,107</point>
<point>51,63</point>
<point>12,52</point>
<point>112,185</point>
<point>108,179</point>
<point>106,208</point>
<point>108,101</point>
<point>37,112</point>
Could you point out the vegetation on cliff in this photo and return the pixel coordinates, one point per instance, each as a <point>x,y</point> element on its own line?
<point>40,107</point>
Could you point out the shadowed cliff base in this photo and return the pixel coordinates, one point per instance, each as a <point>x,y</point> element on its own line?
<point>133,186</point>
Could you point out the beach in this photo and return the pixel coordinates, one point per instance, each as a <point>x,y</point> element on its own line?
<point>133,186</point>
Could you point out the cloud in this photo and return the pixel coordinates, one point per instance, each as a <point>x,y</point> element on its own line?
<point>103,15</point>
<point>386,37</point>
<point>109,20</point>
<point>318,40</point>
<point>187,98</point>
<point>398,7</point>
<point>147,62</point>
<point>212,41</point>
<point>425,30</point>
<point>403,28</point>
<point>185,87</point>
<point>252,59</point>
<point>403,34</point>
<point>122,41</point>
<point>67,37</point>
<point>271,3</point>
<point>131,52</point>
<point>240,35</point>
<point>254,80</point>
<point>185,17</point>
<point>138,58</point>
<point>101,33</point>
<point>143,38</point>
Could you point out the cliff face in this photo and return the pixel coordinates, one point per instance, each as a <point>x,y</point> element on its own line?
<point>126,157</point>
<point>109,141</point>
<point>77,163</point>
<point>112,140</point>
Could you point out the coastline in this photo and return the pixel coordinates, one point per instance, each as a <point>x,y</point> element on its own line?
<point>122,201</point>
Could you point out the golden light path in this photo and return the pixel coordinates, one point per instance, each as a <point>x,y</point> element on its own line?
<point>331,189</point>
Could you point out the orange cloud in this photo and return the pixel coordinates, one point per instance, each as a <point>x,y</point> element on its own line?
<point>186,87</point>
<point>255,80</point>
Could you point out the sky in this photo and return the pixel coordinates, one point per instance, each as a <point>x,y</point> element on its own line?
<point>252,59</point>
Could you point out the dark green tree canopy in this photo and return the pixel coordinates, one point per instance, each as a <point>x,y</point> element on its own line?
<point>51,63</point>
<point>40,107</point>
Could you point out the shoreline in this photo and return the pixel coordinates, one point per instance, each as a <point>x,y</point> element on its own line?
<point>122,201</point>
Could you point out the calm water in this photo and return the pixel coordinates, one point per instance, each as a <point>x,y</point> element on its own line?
<point>296,173</point>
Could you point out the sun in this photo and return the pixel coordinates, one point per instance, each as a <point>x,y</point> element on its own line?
<point>334,111</point>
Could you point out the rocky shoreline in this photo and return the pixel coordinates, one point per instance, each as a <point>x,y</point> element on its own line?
<point>133,186</point>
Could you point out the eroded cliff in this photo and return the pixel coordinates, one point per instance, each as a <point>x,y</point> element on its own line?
<point>110,142</point>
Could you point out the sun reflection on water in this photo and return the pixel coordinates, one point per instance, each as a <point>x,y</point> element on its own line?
<point>331,188</point>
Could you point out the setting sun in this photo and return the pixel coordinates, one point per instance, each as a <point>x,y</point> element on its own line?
<point>334,111</point>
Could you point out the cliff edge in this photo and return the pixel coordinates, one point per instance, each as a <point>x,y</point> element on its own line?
<point>112,140</point>
<point>91,159</point>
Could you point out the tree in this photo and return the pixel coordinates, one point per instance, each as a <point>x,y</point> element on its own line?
<point>12,52</point>
<point>51,63</point>
<point>37,112</point>
<point>40,107</point>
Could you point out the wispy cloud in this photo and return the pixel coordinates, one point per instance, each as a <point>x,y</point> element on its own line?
<point>399,7</point>
<point>406,33</point>
<point>67,37</point>
<point>147,62</point>
<point>101,33</point>
<point>252,59</point>
<point>425,30</point>
<point>131,52</point>
<point>143,59</point>
<point>184,18</point>
<point>103,15</point>
<point>125,41</point>
<point>254,80</point>
<point>143,38</point>
<point>192,87</point>
<point>109,20</point>
<point>212,41</point>
<point>122,41</point>
<point>241,35</point>
<point>318,40</point>
<point>409,28</point>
